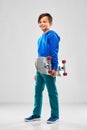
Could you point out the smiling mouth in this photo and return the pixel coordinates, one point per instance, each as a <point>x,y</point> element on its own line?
<point>42,26</point>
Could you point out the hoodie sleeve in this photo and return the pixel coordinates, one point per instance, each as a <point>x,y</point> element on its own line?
<point>54,49</point>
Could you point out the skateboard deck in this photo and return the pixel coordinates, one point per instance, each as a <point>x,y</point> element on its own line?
<point>44,66</point>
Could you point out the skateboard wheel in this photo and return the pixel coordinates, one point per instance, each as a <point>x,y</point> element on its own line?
<point>65,74</point>
<point>63,61</point>
<point>48,57</point>
<point>49,71</point>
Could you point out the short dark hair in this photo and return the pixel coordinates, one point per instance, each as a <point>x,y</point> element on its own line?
<point>43,15</point>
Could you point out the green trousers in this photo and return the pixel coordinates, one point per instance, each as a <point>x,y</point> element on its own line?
<point>43,80</point>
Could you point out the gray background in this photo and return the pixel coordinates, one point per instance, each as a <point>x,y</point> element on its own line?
<point>19,32</point>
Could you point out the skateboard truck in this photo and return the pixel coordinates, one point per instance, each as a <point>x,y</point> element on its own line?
<point>48,64</point>
<point>62,68</point>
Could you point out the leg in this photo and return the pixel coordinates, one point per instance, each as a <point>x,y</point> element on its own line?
<point>39,87</point>
<point>53,95</point>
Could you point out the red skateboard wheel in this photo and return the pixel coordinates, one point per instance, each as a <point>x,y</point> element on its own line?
<point>64,74</point>
<point>63,61</point>
<point>48,57</point>
<point>49,71</point>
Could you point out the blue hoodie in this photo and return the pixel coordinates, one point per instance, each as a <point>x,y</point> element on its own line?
<point>48,45</point>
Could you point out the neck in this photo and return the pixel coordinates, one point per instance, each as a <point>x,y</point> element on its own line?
<point>45,31</point>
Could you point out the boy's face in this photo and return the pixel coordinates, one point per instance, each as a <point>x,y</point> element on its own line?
<point>44,24</point>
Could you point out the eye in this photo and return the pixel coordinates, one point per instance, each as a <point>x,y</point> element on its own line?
<point>44,21</point>
<point>39,22</point>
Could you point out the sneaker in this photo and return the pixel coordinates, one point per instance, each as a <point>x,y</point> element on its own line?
<point>32,118</point>
<point>52,119</point>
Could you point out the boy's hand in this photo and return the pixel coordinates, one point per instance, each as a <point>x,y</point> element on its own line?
<point>53,73</point>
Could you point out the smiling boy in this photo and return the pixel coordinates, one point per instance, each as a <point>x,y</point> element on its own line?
<point>48,45</point>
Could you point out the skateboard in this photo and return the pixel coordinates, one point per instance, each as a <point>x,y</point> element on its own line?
<point>44,66</point>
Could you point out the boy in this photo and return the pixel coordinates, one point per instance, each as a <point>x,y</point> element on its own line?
<point>48,45</point>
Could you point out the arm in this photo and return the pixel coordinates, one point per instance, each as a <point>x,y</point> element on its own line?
<point>54,49</point>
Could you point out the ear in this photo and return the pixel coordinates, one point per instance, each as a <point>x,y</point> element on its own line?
<point>51,23</point>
